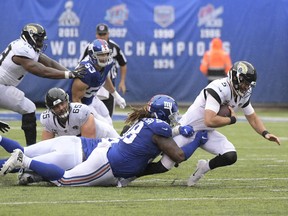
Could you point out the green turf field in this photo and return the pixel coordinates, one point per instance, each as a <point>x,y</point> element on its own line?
<point>256,185</point>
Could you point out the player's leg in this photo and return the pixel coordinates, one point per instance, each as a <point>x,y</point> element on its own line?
<point>13,99</point>
<point>64,151</point>
<point>105,130</point>
<point>109,103</point>
<point>217,144</point>
<point>95,171</point>
<point>101,109</point>
<point>9,145</point>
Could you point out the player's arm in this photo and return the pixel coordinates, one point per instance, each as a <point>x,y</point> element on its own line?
<point>47,135</point>
<point>78,90</point>
<point>169,147</point>
<point>48,62</point>
<point>174,153</point>
<point>108,85</point>
<point>118,99</point>
<point>122,85</point>
<point>88,129</point>
<point>211,119</point>
<point>39,69</point>
<point>259,127</point>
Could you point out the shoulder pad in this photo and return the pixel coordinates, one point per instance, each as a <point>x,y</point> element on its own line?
<point>22,48</point>
<point>159,127</point>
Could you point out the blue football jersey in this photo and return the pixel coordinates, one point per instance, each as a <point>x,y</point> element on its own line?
<point>93,78</point>
<point>130,156</point>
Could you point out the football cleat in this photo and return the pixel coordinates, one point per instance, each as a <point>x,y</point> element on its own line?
<point>199,173</point>
<point>15,161</point>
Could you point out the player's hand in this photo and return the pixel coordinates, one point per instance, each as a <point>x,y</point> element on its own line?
<point>119,100</point>
<point>273,138</point>
<point>202,136</point>
<point>78,72</point>
<point>186,131</point>
<point>122,87</point>
<point>4,127</point>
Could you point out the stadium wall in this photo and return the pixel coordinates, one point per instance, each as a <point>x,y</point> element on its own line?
<point>163,41</point>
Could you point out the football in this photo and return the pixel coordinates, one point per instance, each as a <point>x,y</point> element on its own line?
<point>224,111</point>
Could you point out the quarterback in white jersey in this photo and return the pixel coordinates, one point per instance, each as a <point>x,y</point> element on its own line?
<point>20,57</point>
<point>235,91</point>
<point>64,118</point>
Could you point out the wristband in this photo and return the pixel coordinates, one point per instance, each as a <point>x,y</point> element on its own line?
<point>115,94</point>
<point>175,130</point>
<point>232,120</point>
<point>67,74</point>
<point>264,133</point>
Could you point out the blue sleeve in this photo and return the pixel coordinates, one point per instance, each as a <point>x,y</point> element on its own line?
<point>159,127</point>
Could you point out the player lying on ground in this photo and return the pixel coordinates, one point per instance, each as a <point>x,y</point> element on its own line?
<point>124,157</point>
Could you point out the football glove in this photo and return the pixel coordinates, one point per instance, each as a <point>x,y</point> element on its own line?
<point>78,72</point>
<point>119,100</point>
<point>4,127</point>
<point>202,136</point>
<point>186,131</point>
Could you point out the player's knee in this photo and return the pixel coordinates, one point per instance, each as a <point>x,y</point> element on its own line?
<point>230,157</point>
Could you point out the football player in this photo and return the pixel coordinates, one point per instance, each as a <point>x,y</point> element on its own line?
<point>234,90</point>
<point>65,118</point>
<point>119,61</point>
<point>22,56</point>
<point>97,64</point>
<point>123,157</point>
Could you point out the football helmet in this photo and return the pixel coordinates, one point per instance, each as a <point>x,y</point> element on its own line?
<point>242,77</point>
<point>99,52</point>
<point>165,108</point>
<point>35,35</point>
<point>54,97</point>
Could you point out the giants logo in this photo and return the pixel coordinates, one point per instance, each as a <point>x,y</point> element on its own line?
<point>167,105</point>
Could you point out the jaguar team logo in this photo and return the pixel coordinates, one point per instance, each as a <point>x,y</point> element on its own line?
<point>32,29</point>
<point>164,15</point>
<point>117,15</point>
<point>242,68</point>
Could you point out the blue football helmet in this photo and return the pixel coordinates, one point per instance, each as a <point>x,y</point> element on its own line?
<point>99,52</point>
<point>242,77</point>
<point>165,108</point>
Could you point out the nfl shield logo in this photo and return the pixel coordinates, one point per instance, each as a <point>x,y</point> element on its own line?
<point>164,15</point>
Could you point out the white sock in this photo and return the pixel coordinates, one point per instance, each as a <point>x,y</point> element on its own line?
<point>26,161</point>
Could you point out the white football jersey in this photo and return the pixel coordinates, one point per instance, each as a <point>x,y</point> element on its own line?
<point>11,73</point>
<point>78,115</point>
<point>220,89</point>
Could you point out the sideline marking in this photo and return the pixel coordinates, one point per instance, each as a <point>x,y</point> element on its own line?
<point>145,200</point>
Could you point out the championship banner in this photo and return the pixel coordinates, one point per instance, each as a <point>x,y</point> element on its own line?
<point>163,41</point>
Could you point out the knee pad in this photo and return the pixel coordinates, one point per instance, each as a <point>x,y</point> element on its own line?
<point>230,157</point>
<point>226,159</point>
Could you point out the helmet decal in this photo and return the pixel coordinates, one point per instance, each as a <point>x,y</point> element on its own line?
<point>242,68</point>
